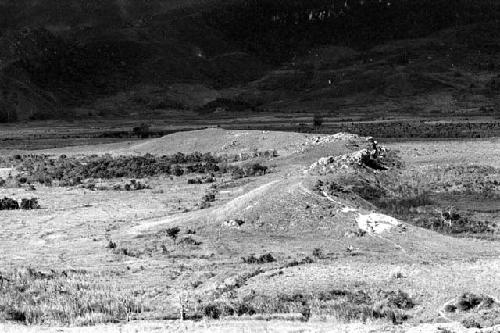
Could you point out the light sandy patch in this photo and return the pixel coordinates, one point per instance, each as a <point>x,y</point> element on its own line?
<point>6,172</point>
<point>376,222</point>
<point>347,209</point>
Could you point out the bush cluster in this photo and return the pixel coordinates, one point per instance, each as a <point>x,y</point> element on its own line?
<point>344,304</point>
<point>249,170</point>
<point>133,185</point>
<point>43,169</point>
<point>263,259</point>
<point>202,180</point>
<point>70,171</point>
<point>460,225</point>
<point>12,204</point>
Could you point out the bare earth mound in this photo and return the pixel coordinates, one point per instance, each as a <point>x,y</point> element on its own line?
<point>214,140</point>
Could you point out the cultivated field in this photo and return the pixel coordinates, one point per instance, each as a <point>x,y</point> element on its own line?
<point>248,230</point>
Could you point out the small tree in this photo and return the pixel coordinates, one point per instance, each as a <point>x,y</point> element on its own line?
<point>142,131</point>
<point>173,233</point>
<point>317,120</point>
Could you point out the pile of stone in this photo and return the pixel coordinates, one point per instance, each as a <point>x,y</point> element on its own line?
<point>372,157</point>
<point>234,223</point>
<point>320,140</point>
<point>331,164</point>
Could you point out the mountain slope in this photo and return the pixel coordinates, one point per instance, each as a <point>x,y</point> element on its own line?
<point>265,55</point>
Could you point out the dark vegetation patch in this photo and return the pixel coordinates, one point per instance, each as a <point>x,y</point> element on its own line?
<point>422,197</point>
<point>73,170</point>
<point>173,233</point>
<point>470,301</point>
<point>70,171</point>
<point>262,259</point>
<point>207,199</point>
<point>345,305</point>
<point>12,204</point>
<point>414,129</point>
<point>132,185</point>
<point>28,204</point>
<point>201,180</point>
<point>318,253</point>
<point>189,241</point>
<point>473,310</point>
<point>456,225</point>
<point>249,170</point>
<point>8,204</point>
<point>225,104</point>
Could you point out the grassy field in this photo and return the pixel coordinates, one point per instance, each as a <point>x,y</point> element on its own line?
<point>285,245</point>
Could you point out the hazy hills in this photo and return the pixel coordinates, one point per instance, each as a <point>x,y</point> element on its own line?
<point>118,57</point>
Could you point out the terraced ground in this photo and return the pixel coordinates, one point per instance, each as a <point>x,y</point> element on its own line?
<point>311,245</point>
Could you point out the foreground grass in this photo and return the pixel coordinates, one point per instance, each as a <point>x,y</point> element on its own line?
<point>67,297</point>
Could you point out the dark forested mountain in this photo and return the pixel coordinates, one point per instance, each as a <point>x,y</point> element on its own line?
<point>57,55</point>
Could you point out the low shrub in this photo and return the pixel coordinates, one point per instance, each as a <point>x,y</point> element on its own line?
<point>209,197</point>
<point>189,241</point>
<point>111,245</point>
<point>263,259</point>
<point>470,323</point>
<point>133,185</point>
<point>450,308</point>
<point>248,170</point>
<point>469,301</point>
<point>398,299</point>
<point>318,253</point>
<point>30,204</point>
<point>218,310</point>
<point>198,181</point>
<point>460,226</point>
<point>12,204</point>
<point>8,204</point>
<point>204,205</point>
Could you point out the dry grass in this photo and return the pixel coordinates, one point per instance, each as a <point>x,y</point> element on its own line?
<point>67,297</point>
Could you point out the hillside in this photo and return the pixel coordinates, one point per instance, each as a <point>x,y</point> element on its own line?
<point>344,59</point>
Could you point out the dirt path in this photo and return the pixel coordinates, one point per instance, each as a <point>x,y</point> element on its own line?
<point>235,204</point>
